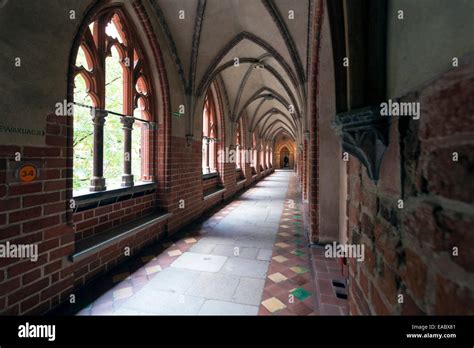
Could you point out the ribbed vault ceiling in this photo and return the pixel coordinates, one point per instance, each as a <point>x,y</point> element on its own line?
<point>272,52</point>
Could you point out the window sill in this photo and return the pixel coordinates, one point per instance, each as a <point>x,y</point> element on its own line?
<point>214,193</point>
<point>92,245</point>
<point>91,200</point>
<point>210,176</point>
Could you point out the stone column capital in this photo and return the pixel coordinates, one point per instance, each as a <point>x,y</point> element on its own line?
<point>98,116</point>
<point>127,122</point>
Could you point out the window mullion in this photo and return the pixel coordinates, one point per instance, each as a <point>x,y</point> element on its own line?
<point>208,168</point>
<point>98,180</point>
<point>127,177</point>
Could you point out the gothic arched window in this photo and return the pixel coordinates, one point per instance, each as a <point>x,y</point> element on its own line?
<point>113,111</point>
<point>209,135</point>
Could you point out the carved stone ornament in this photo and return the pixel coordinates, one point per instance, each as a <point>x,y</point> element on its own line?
<point>127,122</point>
<point>189,139</point>
<point>98,116</point>
<point>364,134</point>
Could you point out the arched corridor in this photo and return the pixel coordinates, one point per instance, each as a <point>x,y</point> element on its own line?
<point>220,266</point>
<point>244,259</point>
<point>236,157</point>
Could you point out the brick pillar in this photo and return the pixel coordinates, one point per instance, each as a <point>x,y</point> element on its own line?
<point>304,168</point>
<point>300,164</point>
<point>148,151</point>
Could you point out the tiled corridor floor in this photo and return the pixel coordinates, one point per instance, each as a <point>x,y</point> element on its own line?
<point>251,257</point>
<point>289,286</point>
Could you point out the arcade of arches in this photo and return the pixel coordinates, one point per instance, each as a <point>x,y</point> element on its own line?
<point>216,147</point>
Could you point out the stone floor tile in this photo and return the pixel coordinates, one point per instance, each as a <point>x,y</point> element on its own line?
<point>214,286</point>
<point>200,262</point>
<point>249,291</point>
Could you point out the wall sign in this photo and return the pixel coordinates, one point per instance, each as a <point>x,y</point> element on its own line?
<point>13,134</point>
<point>27,173</point>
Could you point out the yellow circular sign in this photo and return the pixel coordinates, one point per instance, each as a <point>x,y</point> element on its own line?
<point>27,173</point>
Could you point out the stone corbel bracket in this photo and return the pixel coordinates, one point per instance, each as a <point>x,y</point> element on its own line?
<point>189,139</point>
<point>364,134</point>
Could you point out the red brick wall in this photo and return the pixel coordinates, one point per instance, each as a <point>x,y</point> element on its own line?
<point>209,184</point>
<point>409,250</point>
<point>229,178</point>
<point>36,213</point>
<point>93,221</point>
<point>185,182</point>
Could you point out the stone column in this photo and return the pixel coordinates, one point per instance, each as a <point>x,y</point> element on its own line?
<point>127,177</point>
<point>98,180</point>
